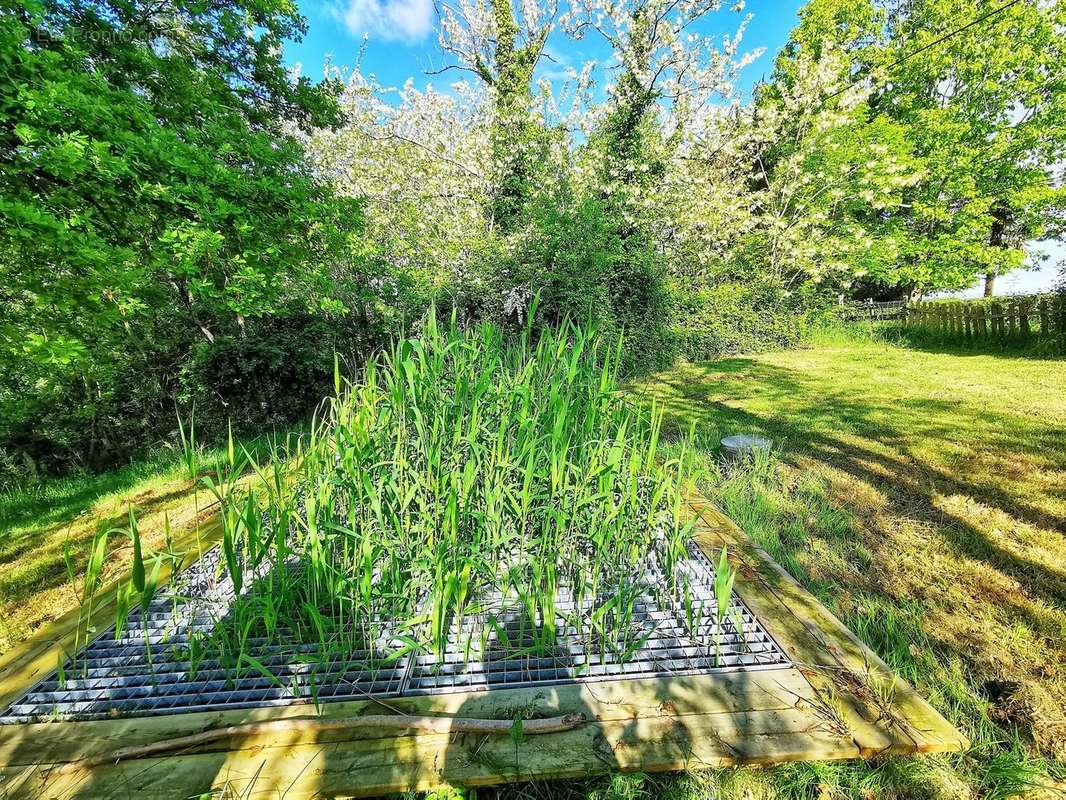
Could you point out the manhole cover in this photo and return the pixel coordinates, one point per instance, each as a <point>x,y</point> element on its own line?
<point>744,444</point>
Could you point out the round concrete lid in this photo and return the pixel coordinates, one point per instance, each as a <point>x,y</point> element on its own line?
<point>740,442</point>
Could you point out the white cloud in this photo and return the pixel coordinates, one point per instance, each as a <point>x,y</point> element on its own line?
<point>392,20</point>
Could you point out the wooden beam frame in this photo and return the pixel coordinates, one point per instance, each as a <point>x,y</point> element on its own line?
<point>837,701</point>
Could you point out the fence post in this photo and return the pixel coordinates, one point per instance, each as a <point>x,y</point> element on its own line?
<point>1045,319</point>
<point>982,321</point>
<point>1023,317</point>
<point>1012,310</point>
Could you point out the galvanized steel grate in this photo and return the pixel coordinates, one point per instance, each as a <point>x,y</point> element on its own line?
<point>112,676</point>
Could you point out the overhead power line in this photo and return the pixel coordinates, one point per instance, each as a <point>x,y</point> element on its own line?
<point>934,43</point>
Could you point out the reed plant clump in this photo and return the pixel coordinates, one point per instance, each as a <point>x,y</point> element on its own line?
<point>462,474</point>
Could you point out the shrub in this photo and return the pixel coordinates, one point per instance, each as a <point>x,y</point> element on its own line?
<point>272,373</point>
<point>731,317</point>
<point>572,259</point>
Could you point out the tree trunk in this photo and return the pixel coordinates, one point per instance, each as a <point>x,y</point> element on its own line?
<point>514,135</point>
<point>997,238</point>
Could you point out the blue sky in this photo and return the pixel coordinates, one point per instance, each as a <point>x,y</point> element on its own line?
<point>402,40</point>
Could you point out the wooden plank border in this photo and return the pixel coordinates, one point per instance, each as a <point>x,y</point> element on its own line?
<point>838,701</point>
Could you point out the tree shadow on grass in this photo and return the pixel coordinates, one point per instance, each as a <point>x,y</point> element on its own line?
<point>882,454</point>
<point>903,449</point>
<point>806,415</point>
<point>59,500</point>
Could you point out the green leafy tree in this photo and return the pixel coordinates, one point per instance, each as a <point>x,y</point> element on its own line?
<point>828,171</point>
<point>151,195</point>
<point>985,111</point>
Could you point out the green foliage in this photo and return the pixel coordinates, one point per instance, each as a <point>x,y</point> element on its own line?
<point>880,160</point>
<point>730,317</point>
<point>167,234</point>
<point>271,373</point>
<point>984,112</point>
<point>459,466</point>
<point>572,259</point>
<point>153,195</point>
<point>830,174</point>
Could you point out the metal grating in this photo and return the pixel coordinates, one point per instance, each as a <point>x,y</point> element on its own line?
<point>113,676</point>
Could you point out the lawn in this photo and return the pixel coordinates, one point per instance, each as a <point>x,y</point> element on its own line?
<point>921,496</point>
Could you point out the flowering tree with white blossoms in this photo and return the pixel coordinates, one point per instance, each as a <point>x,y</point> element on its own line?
<point>502,45</point>
<point>665,66</point>
<point>491,37</point>
<point>669,81</point>
<point>826,175</point>
<point>418,165</point>
<point>661,57</point>
<point>664,83</point>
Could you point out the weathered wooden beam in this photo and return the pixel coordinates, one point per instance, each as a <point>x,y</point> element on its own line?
<point>57,742</point>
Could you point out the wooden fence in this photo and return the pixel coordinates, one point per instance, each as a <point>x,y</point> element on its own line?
<point>872,311</point>
<point>1006,318</point>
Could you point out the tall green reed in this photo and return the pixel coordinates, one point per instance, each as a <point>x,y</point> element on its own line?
<point>458,474</point>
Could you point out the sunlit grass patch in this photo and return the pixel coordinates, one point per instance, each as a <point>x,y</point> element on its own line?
<point>43,522</point>
<point>919,495</point>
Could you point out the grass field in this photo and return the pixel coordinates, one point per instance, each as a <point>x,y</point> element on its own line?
<point>920,495</point>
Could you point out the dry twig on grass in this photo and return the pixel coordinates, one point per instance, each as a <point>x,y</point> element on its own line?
<point>420,724</point>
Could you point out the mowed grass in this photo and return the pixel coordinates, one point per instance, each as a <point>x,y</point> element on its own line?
<point>42,521</point>
<point>921,496</point>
